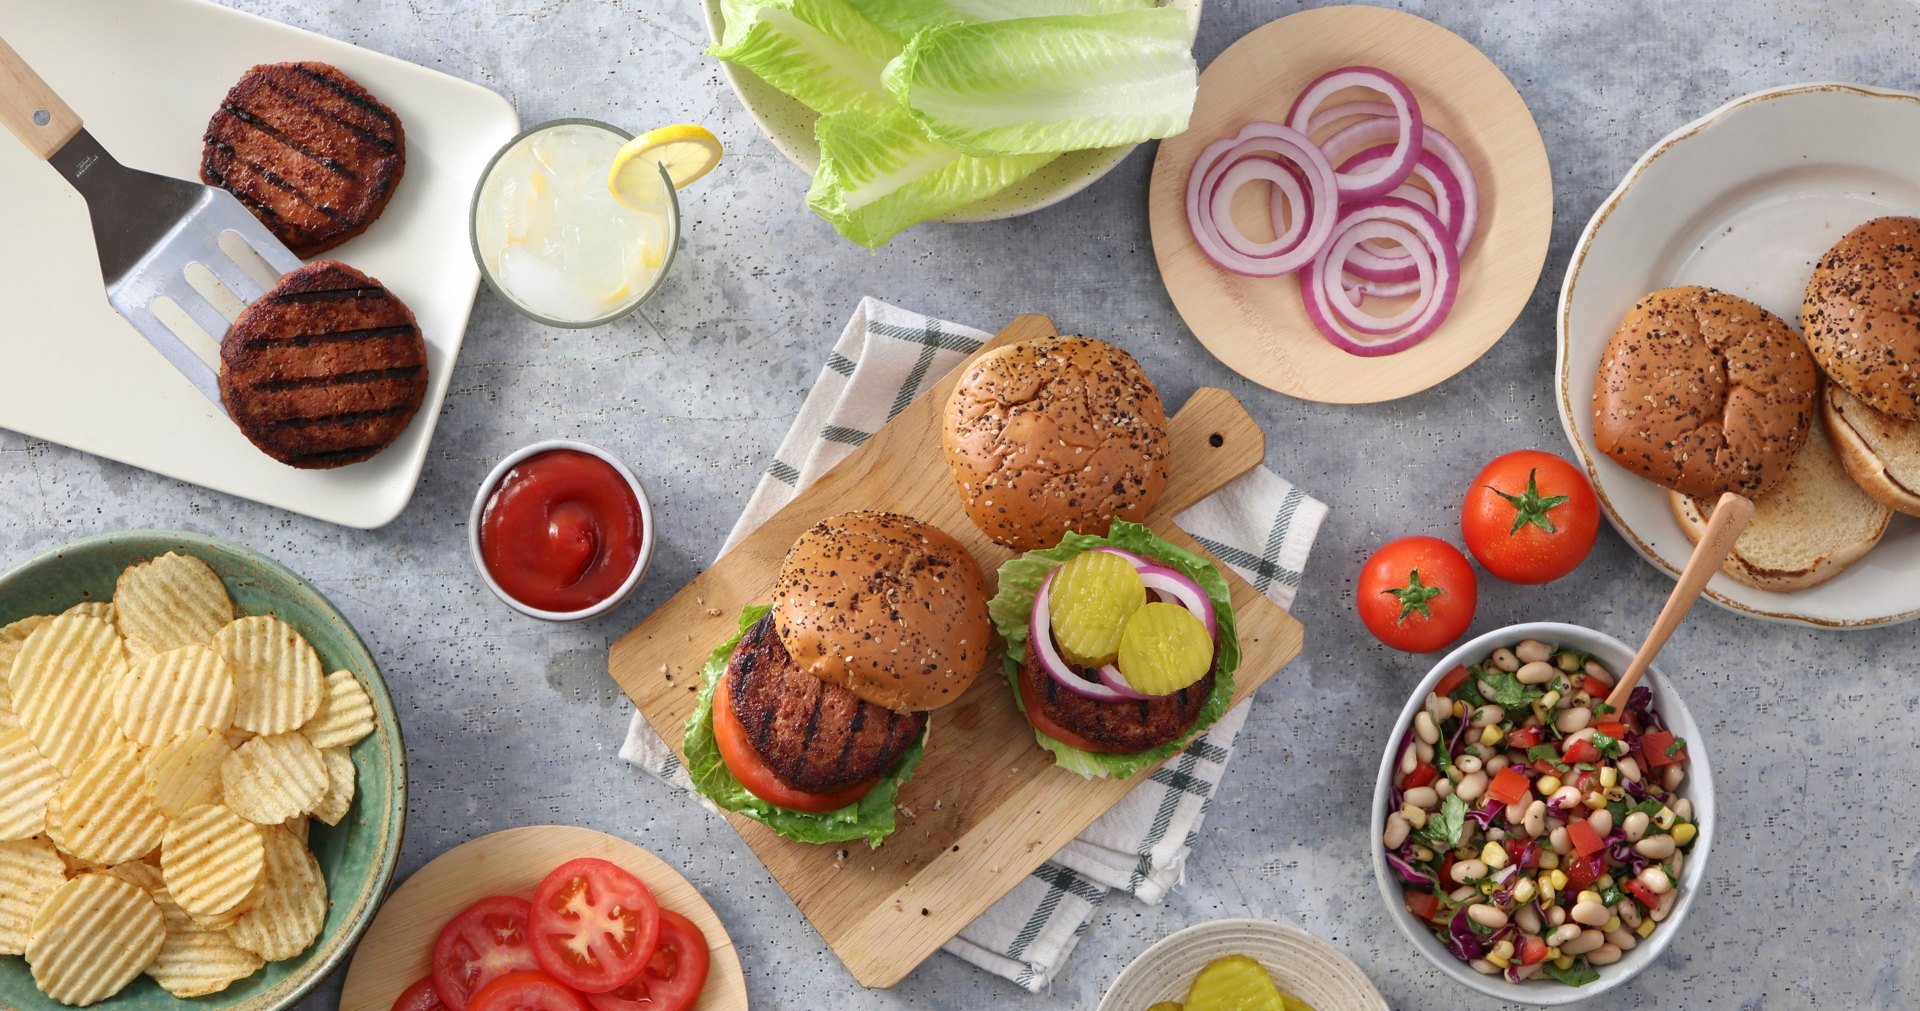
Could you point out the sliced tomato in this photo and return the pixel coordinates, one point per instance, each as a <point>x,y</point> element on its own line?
<point>753,772</point>
<point>1617,731</point>
<point>1452,682</point>
<point>483,942</point>
<point>1583,873</point>
<point>419,997</point>
<point>674,976</point>
<point>1544,767</point>
<point>1421,775</point>
<point>1526,737</point>
<point>1030,701</point>
<point>1422,904</point>
<point>529,990</point>
<point>1595,687</point>
<point>1641,893</point>
<point>1655,747</point>
<point>1579,751</point>
<point>1508,785</point>
<point>1533,949</point>
<point>1584,839</point>
<point>594,925</point>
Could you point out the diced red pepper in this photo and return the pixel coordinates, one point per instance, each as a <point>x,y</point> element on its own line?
<point>1508,786</point>
<point>1654,747</point>
<point>1421,775</point>
<point>1523,853</point>
<point>1617,731</point>
<point>1421,903</point>
<point>1641,893</point>
<point>1533,949</point>
<point>1526,737</point>
<point>1452,682</point>
<point>1583,873</point>
<point>1446,869</point>
<point>1584,838</point>
<point>1582,781</point>
<point>1595,687</point>
<point>1543,767</point>
<point>1579,751</point>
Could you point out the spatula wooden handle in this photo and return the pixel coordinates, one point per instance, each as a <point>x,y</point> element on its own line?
<point>30,109</point>
<point>1730,517</point>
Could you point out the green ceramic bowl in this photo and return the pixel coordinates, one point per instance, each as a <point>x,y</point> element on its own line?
<point>357,855</point>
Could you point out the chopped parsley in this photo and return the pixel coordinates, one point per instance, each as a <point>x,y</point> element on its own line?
<point>1543,753</point>
<point>1611,896</point>
<point>1612,747</point>
<point>1602,709</point>
<point>1469,692</point>
<point>1679,745</point>
<point>1508,691</point>
<point>1444,826</point>
<point>1579,974</point>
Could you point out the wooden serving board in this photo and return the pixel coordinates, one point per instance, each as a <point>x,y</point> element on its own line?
<point>398,948</point>
<point>987,805</point>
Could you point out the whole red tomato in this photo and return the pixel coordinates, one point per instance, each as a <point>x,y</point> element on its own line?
<point>1530,517</point>
<point>1417,594</point>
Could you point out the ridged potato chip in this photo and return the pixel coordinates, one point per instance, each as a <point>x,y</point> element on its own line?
<point>172,601</point>
<point>277,674</point>
<point>60,683</point>
<point>15,633</point>
<point>92,936</point>
<point>102,813</point>
<point>30,870</point>
<point>291,905</point>
<point>300,827</point>
<point>194,961</point>
<point>101,609</point>
<point>272,778</point>
<point>27,782</point>
<point>345,714</point>
<point>138,649</point>
<point>170,693</point>
<point>185,772</point>
<point>211,859</point>
<point>235,737</point>
<point>340,776</point>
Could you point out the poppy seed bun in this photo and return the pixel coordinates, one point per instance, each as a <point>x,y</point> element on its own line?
<point>888,607</point>
<point>1862,315</point>
<point>1055,435</point>
<point>1704,393</point>
<point>1881,452</point>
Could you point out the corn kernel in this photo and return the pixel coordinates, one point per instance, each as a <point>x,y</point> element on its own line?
<point>1500,960</point>
<point>1559,879</point>
<point>1546,785</point>
<point>1588,896</point>
<point>1683,833</point>
<point>1613,924</point>
<point>1603,882</point>
<point>1549,700</point>
<point>1645,929</point>
<point>1563,962</point>
<point>1664,817</point>
<point>1609,776</point>
<point>1494,855</point>
<point>1553,953</point>
<point>1459,709</point>
<point>1523,891</point>
<point>1504,949</point>
<point>1490,734</point>
<point>1415,816</point>
<point>1486,887</point>
<point>1421,853</point>
<point>1595,801</point>
<point>1546,893</point>
<point>1549,860</point>
<point>1616,792</point>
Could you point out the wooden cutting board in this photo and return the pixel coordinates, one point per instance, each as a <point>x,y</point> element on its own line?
<point>398,947</point>
<point>987,806</point>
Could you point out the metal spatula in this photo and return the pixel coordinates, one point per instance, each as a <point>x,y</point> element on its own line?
<point>149,230</point>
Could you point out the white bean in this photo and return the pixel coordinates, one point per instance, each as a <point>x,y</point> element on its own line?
<point>1396,833</point>
<point>1588,940</point>
<point>1469,763</point>
<point>1443,787</point>
<point>1488,715</point>
<point>1636,826</point>
<point>1528,918</point>
<point>1573,719</point>
<point>1601,822</point>
<point>1535,820</point>
<point>1655,847</point>
<point>1673,777</point>
<point>1516,811</point>
<point>1423,751</point>
<point>1538,672</point>
<point>1655,880</point>
<point>1484,967</point>
<point>1622,938</point>
<point>1593,914</point>
<point>1486,915</point>
<point>1463,893</point>
<point>1439,708</point>
<point>1422,797</point>
<point>1558,840</point>
<point>1471,786</point>
<point>1496,763</point>
<point>1469,870</point>
<point>1565,798</point>
<point>1606,954</point>
<point>1629,767</point>
<point>1577,735</point>
<point>1665,906</point>
<point>1533,650</point>
<point>1425,728</point>
<point>1505,659</point>
<point>1593,670</point>
<point>1529,971</point>
<point>1407,762</point>
<point>1630,913</point>
<point>1562,934</point>
<point>1557,916</point>
<point>1682,809</point>
<point>1673,866</point>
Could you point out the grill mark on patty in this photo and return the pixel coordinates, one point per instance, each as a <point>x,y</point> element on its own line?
<point>330,337</point>
<point>274,179</point>
<point>378,111</point>
<point>331,164</point>
<point>1126,727</point>
<point>382,144</point>
<point>264,211</point>
<point>340,418</point>
<point>337,379</point>
<point>324,295</point>
<point>329,457</point>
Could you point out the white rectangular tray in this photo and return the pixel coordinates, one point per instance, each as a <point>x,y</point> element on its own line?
<point>145,77</point>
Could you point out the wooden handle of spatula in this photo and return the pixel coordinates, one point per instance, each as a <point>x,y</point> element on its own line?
<point>1730,517</point>
<point>30,109</point>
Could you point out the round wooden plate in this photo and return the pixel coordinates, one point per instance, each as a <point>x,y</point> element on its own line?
<point>1257,325</point>
<point>398,948</point>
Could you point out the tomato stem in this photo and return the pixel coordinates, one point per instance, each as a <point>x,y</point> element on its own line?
<point>1413,597</point>
<point>1531,507</point>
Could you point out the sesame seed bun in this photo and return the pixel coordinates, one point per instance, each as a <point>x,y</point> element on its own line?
<point>1704,392</point>
<point>1881,452</point>
<point>888,607</point>
<point>1055,435</point>
<point>1862,315</point>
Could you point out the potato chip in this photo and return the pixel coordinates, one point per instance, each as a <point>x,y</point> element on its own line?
<point>340,776</point>
<point>30,870</point>
<point>138,649</point>
<point>12,635</point>
<point>194,961</point>
<point>273,777</point>
<point>211,858</point>
<point>102,813</point>
<point>300,826</point>
<point>27,782</point>
<point>60,683</point>
<point>345,714</point>
<point>278,675</point>
<point>101,609</point>
<point>185,772</point>
<point>171,601</point>
<point>92,936</point>
<point>170,693</point>
<point>235,737</point>
<point>291,905</point>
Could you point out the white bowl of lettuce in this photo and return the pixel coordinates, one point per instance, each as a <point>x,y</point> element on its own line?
<point>955,110</point>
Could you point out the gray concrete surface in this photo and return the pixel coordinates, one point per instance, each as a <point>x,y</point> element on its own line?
<point>513,722</point>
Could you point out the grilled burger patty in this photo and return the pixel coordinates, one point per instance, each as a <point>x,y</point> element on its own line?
<point>307,150</point>
<point>815,736</point>
<point>1117,728</point>
<point>324,370</point>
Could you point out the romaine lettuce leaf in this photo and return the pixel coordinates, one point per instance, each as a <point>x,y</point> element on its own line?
<point>1050,84</point>
<point>1020,579</point>
<point>872,818</point>
<point>904,17</point>
<point>822,52</point>
<point>881,174</point>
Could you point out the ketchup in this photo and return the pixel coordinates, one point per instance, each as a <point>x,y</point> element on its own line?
<point>561,531</point>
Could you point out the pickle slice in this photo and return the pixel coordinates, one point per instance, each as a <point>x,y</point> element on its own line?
<point>1093,595</point>
<point>1236,983</point>
<point>1164,648</point>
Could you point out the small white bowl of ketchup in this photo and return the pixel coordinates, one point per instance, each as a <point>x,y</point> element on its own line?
<point>561,530</point>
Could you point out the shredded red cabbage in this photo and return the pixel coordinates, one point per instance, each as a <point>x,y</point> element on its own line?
<point>1484,817</point>
<point>1461,940</point>
<point>1401,860</point>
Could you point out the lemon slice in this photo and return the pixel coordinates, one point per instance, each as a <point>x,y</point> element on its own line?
<point>686,151</point>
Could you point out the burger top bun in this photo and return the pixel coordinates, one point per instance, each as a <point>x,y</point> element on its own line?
<point>1055,435</point>
<point>1862,315</point>
<point>1705,393</point>
<point>886,606</point>
<point>1881,452</point>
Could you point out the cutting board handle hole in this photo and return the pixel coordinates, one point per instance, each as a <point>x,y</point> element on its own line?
<point>41,118</point>
<point>1216,440</point>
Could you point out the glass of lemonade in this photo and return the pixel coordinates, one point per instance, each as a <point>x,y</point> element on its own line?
<point>551,238</point>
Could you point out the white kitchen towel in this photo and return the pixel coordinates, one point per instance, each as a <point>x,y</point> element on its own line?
<point>1260,525</point>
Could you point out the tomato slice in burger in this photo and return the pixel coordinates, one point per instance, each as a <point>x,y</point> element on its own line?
<point>485,941</point>
<point>673,977</point>
<point>753,772</point>
<point>594,925</point>
<point>419,997</point>
<point>530,990</point>
<point>1037,715</point>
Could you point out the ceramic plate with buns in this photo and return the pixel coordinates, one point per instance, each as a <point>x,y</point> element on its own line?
<point>1743,314</point>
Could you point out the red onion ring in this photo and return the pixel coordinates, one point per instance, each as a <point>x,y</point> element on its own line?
<point>1265,142</point>
<point>1352,138</point>
<point>1174,587</point>
<point>1285,185</point>
<point>1442,199</point>
<point>1435,302</point>
<point>1345,247</point>
<point>1111,677</point>
<point>1380,179</point>
<point>1040,633</point>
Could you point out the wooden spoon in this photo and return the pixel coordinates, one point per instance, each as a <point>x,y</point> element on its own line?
<point>1730,516</point>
